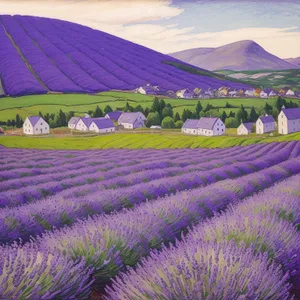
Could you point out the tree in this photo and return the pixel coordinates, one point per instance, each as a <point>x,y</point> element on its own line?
<point>231,123</point>
<point>167,112</point>
<point>168,122</point>
<point>186,114</point>
<point>253,115</point>
<point>8,123</point>
<point>60,119</point>
<point>146,112</point>
<point>128,107</point>
<point>107,109</point>
<point>178,124</point>
<point>198,108</point>
<point>69,115</point>
<point>202,114</point>
<point>18,121</point>
<point>177,117</point>
<point>13,123</point>
<point>268,109</point>
<point>208,107</point>
<point>223,116</point>
<point>41,115</point>
<point>139,108</point>
<point>253,128</point>
<point>52,116</point>
<point>242,114</point>
<point>98,113</point>
<point>275,112</point>
<point>231,114</point>
<point>153,118</point>
<point>227,105</point>
<point>162,105</point>
<point>155,105</point>
<point>280,102</point>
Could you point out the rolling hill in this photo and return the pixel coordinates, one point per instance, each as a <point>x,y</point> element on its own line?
<point>294,61</point>
<point>41,55</point>
<point>238,56</point>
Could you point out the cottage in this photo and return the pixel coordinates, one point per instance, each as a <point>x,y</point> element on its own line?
<point>210,126</point>
<point>197,91</point>
<point>210,93</point>
<point>147,90</point>
<point>72,122</point>
<point>132,120</point>
<point>273,93</point>
<point>223,91</point>
<point>283,91</point>
<point>263,94</point>
<point>290,93</point>
<point>102,125</point>
<point>35,125</point>
<point>289,120</point>
<point>233,93</point>
<point>190,126</point>
<point>265,124</point>
<point>114,115</point>
<point>245,128</point>
<point>250,93</point>
<point>185,93</point>
<point>83,124</point>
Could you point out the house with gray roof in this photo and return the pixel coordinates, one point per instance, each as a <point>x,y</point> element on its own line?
<point>245,128</point>
<point>102,125</point>
<point>211,126</point>
<point>265,124</point>
<point>132,120</point>
<point>72,122</point>
<point>190,126</point>
<point>289,120</point>
<point>35,125</point>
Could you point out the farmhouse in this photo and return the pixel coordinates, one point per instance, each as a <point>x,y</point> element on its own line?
<point>290,93</point>
<point>210,126</point>
<point>263,94</point>
<point>245,128</point>
<point>250,93</point>
<point>35,125</point>
<point>83,124</point>
<point>289,120</point>
<point>186,93</point>
<point>233,93</point>
<point>147,90</point>
<point>102,125</point>
<point>265,124</point>
<point>132,120</point>
<point>114,115</point>
<point>72,122</point>
<point>190,126</point>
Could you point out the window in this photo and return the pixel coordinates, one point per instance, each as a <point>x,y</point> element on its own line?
<point>282,116</point>
<point>218,129</point>
<point>222,129</point>
<point>36,129</point>
<point>45,128</point>
<point>41,123</point>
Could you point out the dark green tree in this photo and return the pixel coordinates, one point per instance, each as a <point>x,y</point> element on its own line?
<point>128,108</point>
<point>146,112</point>
<point>268,109</point>
<point>223,116</point>
<point>41,115</point>
<point>198,108</point>
<point>107,109</point>
<point>8,123</point>
<point>186,114</point>
<point>155,105</point>
<point>242,114</point>
<point>153,118</point>
<point>19,121</point>
<point>231,114</point>
<point>177,117</point>
<point>253,115</point>
<point>280,102</point>
<point>47,117</point>
<point>178,124</point>
<point>98,113</point>
<point>13,123</point>
<point>231,123</point>
<point>167,122</point>
<point>167,112</point>
<point>139,108</point>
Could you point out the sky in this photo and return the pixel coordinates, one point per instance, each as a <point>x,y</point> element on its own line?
<point>168,26</point>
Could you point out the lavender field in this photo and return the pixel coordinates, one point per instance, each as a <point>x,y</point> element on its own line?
<point>150,224</point>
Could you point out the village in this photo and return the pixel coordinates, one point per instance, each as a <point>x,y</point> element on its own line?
<point>222,92</point>
<point>288,122</point>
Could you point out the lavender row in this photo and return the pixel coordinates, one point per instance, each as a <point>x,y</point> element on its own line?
<point>109,243</point>
<point>39,191</point>
<point>94,166</point>
<point>35,218</point>
<point>251,227</point>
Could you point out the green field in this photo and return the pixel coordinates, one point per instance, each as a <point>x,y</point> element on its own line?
<point>139,141</point>
<point>31,105</point>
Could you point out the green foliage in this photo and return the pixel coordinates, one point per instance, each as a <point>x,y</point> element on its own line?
<point>186,114</point>
<point>107,109</point>
<point>268,109</point>
<point>167,112</point>
<point>168,122</point>
<point>242,114</point>
<point>177,117</point>
<point>231,123</point>
<point>153,118</point>
<point>178,124</point>
<point>98,113</point>
<point>198,108</point>
<point>253,115</point>
<point>223,116</point>
<point>253,128</point>
<point>128,108</point>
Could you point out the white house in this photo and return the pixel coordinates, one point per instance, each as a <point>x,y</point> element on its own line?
<point>289,120</point>
<point>35,125</point>
<point>185,93</point>
<point>210,126</point>
<point>263,94</point>
<point>265,124</point>
<point>147,90</point>
<point>114,115</point>
<point>273,93</point>
<point>245,128</point>
<point>250,93</point>
<point>72,122</point>
<point>132,120</point>
<point>102,125</point>
<point>290,93</point>
<point>190,127</point>
<point>233,93</point>
<point>83,124</point>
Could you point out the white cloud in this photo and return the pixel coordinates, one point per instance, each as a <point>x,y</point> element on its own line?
<point>125,19</point>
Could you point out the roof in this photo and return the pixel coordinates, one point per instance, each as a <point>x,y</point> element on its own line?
<point>73,120</point>
<point>292,113</point>
<point>33,120</point>
<point>207,123</point>
<point>87,121</point>
<point>102,123</point>
<point>191,124</point>
<point>267,119</point>
<point>129,117</point>
<point>115,115</point>
<point>248,125</point>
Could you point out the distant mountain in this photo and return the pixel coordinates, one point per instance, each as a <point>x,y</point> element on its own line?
<point>294,61</point>
<point>239,56</point>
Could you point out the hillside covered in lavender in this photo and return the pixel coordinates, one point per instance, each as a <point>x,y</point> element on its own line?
<point>41,55</point>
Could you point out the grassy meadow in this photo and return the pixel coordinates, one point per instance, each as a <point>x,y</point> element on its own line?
<point>81,103</point>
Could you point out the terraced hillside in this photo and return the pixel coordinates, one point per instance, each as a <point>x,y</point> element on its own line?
<point>40,55</point>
